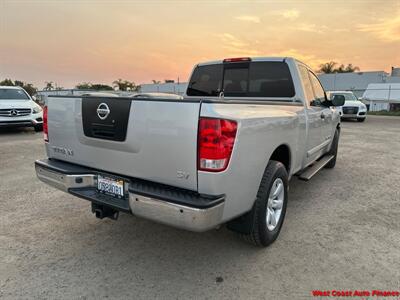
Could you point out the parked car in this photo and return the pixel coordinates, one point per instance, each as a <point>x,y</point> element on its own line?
<point>223,154</point>
<point>17,109</point>
<point>353,108</point>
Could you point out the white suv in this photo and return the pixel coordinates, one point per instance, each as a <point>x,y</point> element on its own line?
<point>352,108</point>
<point>17,109</point>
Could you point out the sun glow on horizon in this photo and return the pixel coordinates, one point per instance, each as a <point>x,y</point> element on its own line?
<point>99,41</point>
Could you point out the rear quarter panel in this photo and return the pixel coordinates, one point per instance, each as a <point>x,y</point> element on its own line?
<point>261,129</point>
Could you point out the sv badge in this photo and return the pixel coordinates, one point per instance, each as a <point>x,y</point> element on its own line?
<point>182,175</point>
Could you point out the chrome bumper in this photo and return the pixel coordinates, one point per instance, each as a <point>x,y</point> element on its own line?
<point>180,216</point>
<point>141,205</point>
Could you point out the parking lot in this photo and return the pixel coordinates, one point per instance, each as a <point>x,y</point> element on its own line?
<point>342,231</point>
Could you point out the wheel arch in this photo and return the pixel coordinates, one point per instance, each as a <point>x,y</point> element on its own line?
<point>282,154</point>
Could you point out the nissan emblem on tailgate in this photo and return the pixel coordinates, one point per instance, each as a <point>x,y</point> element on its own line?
<point>103,111</point>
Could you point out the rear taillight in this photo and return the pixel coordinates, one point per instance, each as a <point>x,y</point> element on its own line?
<point>45,127</point>
<point>215,143</point>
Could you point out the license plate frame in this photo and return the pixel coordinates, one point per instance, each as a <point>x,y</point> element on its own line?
<point>112,186</point>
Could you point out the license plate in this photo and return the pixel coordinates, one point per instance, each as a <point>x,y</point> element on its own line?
<point>110,186</point>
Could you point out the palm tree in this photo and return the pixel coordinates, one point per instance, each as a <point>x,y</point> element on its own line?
<point>49,86</point>
<point>350,68</point>
<point>156,81</point>
<point>328,67</point>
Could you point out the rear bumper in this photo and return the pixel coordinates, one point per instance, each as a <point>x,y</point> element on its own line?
<point>164,204</point>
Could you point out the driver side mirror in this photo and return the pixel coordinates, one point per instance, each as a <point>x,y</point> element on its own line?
<point>338,100</point>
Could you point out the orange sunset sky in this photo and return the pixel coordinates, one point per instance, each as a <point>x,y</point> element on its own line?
<point>99,41</point>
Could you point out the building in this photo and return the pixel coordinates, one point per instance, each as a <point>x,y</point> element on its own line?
<point>168,87</point>
<point>356,82</point>
<point>382,96</point>
<point>377,88</point>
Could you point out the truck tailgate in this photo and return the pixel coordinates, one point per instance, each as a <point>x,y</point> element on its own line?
<point>154,140</point>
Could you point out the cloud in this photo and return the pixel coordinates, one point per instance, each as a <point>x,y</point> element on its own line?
<point>387,30</point>
<point>251,19</point>
<point>231,40</point>
<point>291,14</point>
<point>340,30</point>
<point>309,27</point>
<point>312,60</point>
<point>236,46</point>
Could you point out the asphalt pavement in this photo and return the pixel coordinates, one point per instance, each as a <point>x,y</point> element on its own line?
<point>342,232</point>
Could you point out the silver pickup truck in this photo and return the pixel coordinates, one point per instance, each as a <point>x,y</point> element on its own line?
<point>223,154</point>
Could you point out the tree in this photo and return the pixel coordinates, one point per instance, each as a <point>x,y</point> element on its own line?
<point>93,86</point>
<point>84,86</point>
<point>29,88</point>
<point>348,69</point>
<point>49,86</point>
<point>7,82</point>
<point>19,83</point>
<point>124,85</point>
<point>100,86</point>
<point>156,81</point>
<point>328,67</point>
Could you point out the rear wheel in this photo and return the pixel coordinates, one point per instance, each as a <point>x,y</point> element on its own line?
<point>268,213</point>
<point>334,150</point>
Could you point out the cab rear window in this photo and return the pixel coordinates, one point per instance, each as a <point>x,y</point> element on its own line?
<point>243,79</point>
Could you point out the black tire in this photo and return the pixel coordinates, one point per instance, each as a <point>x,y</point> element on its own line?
<point>333,151</point>
<point>38,128</point>
<point>361,119</point>
<point>259,233</point>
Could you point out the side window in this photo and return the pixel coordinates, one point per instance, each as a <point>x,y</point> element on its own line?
<point>319,93</point>
<point>307,84</point>
<point>270,79</point>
